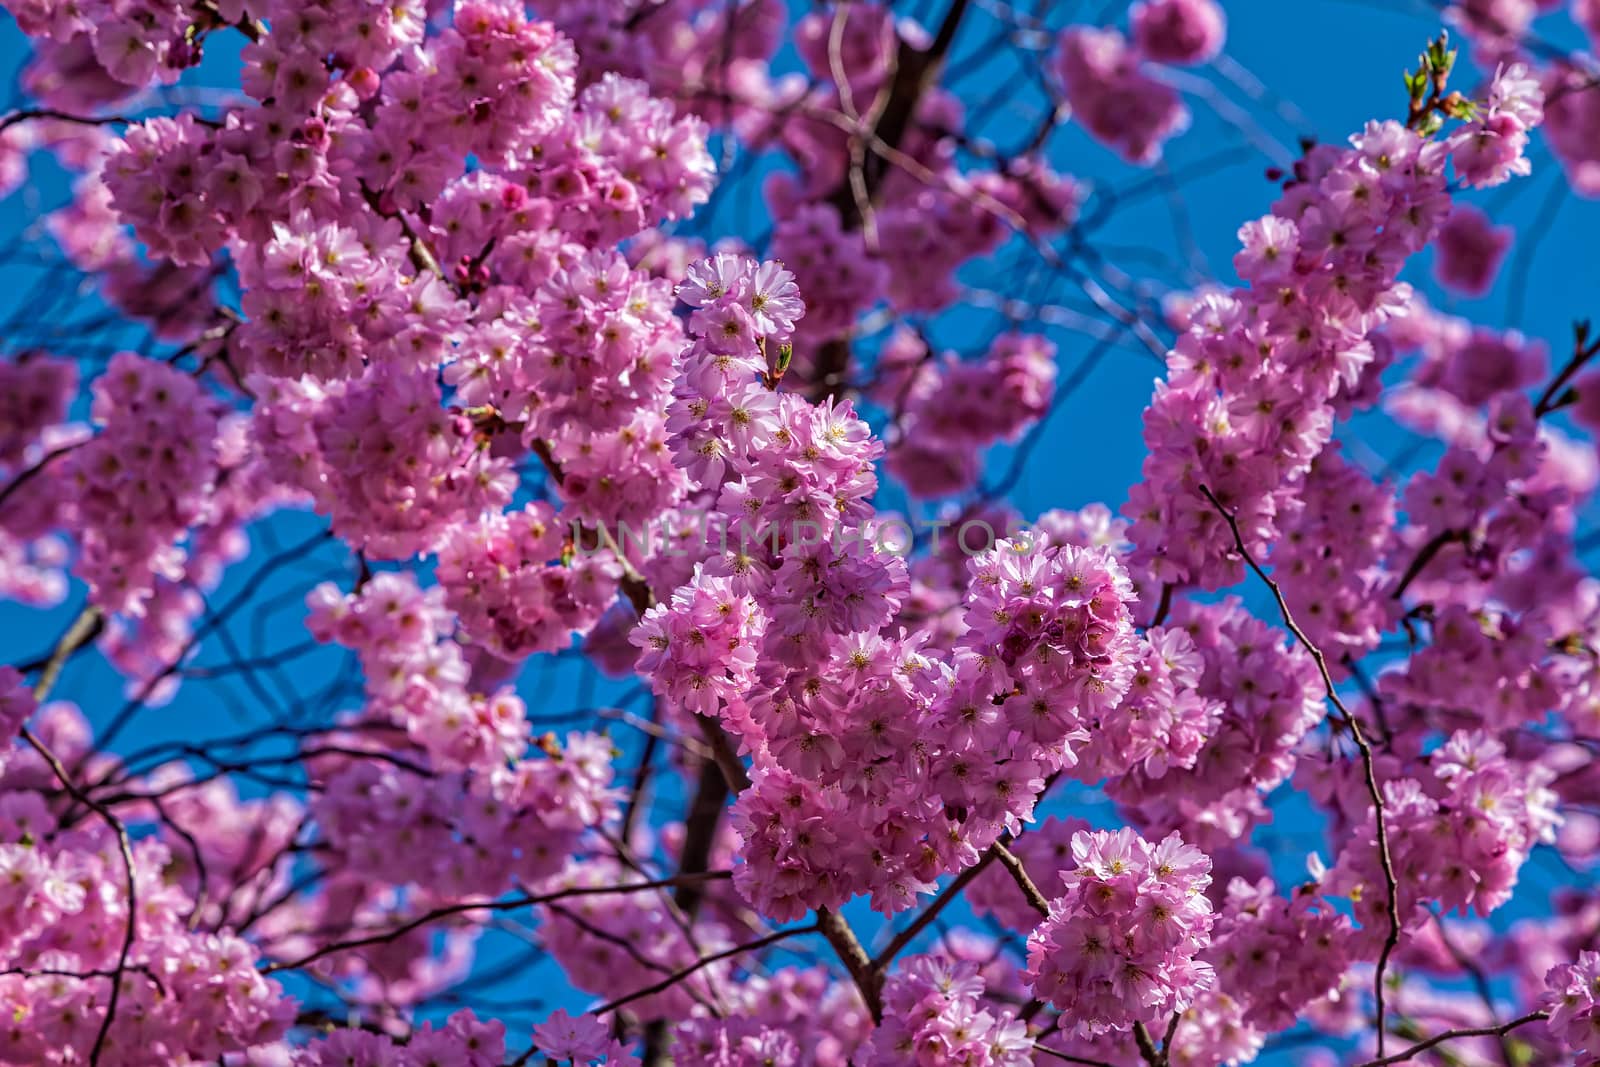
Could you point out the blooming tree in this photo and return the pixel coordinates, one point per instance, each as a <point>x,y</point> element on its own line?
<point>872,768</point>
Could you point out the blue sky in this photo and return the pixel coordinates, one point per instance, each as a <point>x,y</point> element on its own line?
<point>1331,65</point>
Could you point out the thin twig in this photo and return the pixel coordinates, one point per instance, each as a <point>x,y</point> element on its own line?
<point>485,905</point>
<point>26,476</point>
<point>1451,1035</point>
<point>1391,887</point>
<point>705,961</point>
<point>931,912</point>
<point>51,114</point>
<point>1582,353</point>
<point>1423,557</point>
<point>1067,1057</point>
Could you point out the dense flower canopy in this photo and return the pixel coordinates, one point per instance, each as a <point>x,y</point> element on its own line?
<point>915,777</point>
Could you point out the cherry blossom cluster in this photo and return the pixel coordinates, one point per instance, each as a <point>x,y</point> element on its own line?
<point>342,287</point>
<point>794,1016</point>
<point>461,834</point>
<point>416,678</point>
<point>129,48</point>
<point>803,849</point>
<point>463,1039</point>
<point>143,480</point>
<point>1119,102</point>
<point>1249,400</point>
<point>36,394</point>
<point>1119,946</point>
<point>1211,1031</point>
<point>512,591</point>
<point>933,1013</point>
<point>394,469</point>
<point>1574,1015</point>
<point>175,302</point>
<point>1163,723</point>
<point>1271,700</point>
<point>701,649</point>
<point>1049,645</point>
<point>679,46</point>
<point>584,1040</point>
<point>1254,925</point>
<point>622,160</point>
<point>1056,639</point>
<point>1491,148</point>
<point>800,586</point>
<point>321,305</point>
<point>1457,834</point>
<point>1337,581</point>
<point>486,810</point>
<point>949,412</point>
<point>603,349</point>
<point>1469,250</point>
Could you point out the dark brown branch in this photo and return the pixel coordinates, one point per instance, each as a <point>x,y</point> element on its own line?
<point>1164,607</point>
<point>700,832</point>
<point>1166,1041</point>
<point>855,959</point>
<point>1147,1046</point>
<point>722,752</point>
<point>915,71</point>
<point>1036,899</point>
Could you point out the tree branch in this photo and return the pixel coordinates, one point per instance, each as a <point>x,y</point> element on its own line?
<point>703,962</point>
<point>84,629</point>
<point>1036,899</point>
<point>1451,1035</point>
<point>485,905</point>
<point>1582,352</point>
<point>848,948</point>
<point>1391,887</point>
<point>950,892</point>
